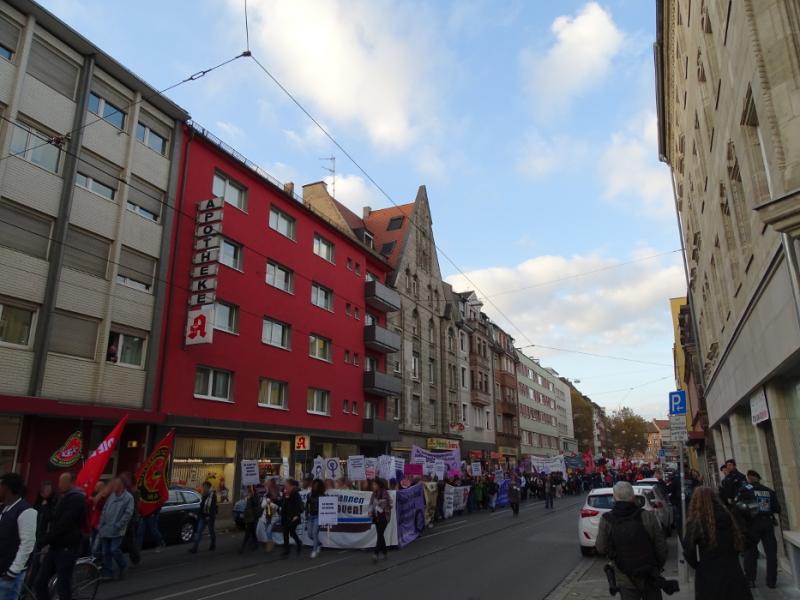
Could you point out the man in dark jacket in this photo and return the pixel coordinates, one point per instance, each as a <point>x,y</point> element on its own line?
<point>634,541</point>
<point>761,528</point>
<point>291,509</point>
<point>207,517</point>
<point>733,481</point>
<point>63,539</point>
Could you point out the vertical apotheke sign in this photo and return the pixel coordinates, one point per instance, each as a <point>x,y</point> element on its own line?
<point>205,267</point>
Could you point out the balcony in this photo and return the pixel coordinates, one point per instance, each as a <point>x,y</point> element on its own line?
<point>506,408</point>
<point>381,297</point>
<point>388,431</point>
<point>506,379</point>
<point>480,398</point>
<point>382,384</point>
<point>380,339</point>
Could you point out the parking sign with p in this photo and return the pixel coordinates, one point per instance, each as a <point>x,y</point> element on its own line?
<point>677,402</point>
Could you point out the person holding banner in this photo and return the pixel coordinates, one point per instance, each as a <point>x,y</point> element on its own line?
<point>312,514</point>
<point>380,509</point>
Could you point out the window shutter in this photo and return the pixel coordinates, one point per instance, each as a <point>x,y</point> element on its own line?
<point>73,335</point>
<point>111,95</point>
<point>154,124</point>
<point>145,195</point>
<point>9,34</point>
<point>85,252</point>
<point>99,170</point>
<point>137,267</point>
<point>24,231</point>
<point>53,68</point>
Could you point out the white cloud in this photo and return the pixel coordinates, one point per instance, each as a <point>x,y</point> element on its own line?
<point>229,132</point>
<point>366,63</point>
<point>541,156</point>
<point>631,171</point>
<point>585,45</point>
<point>355,192</point>
<point>311,137</point>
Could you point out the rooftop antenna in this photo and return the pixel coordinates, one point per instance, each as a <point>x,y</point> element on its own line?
<point>331,170</point>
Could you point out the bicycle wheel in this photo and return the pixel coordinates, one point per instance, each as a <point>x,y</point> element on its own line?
<point>85,579</point>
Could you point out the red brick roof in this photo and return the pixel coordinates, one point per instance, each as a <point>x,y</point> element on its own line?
<point>353,220</point>
<point>661,423</point>
<point>377,223</point>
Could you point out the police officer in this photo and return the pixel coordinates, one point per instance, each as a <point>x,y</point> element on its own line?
<point>761,528</point>
<point>730,486</point>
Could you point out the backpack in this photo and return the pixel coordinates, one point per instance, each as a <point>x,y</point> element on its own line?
<point>630,546</point>
<point>745,500</point>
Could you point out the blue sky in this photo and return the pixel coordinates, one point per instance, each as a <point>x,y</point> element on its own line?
<point>532,124</point>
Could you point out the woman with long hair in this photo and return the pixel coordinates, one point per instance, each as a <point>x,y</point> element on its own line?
<point>312,514</point>
<point>712,546</point>
<point>380,508</point>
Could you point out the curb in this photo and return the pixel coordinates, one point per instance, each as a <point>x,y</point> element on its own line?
<point>562,589</point>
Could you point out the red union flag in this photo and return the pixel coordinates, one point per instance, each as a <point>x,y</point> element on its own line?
<point>151,478</point>
<point>588,462</point>
<point>94,466</point>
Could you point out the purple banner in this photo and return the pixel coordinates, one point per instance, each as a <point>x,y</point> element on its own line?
<point>451,458</point>
<point>502,494</point>
<point>410,514</point>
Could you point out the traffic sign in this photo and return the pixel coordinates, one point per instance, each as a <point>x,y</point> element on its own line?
<point>662,453</point>
<point>677,402</point>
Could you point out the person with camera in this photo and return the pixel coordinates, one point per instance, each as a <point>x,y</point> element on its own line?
<point>712,546</point>
<point>761,528</point>
<point>634,541</point>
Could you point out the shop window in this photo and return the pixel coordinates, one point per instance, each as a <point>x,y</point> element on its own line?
<point>9,437</point>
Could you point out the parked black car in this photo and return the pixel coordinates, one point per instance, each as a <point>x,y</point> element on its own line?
<point>178,516</point>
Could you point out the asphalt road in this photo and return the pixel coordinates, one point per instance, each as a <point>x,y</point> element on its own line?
<point>478,556</point>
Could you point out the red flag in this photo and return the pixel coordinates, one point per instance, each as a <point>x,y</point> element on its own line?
<point>94,466</point>
<point>151,478</point>
<point>588,462</point>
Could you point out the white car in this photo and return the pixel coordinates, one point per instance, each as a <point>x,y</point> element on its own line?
<point>599,502</point>
<point>659,501</point>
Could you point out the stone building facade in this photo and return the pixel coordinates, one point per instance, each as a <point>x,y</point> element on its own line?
<point>728,83</point>
<point>506,402</point>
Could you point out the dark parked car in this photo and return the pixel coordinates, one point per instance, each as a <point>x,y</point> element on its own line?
<point>178,516</point>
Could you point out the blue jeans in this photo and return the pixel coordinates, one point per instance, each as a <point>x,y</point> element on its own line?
<point>112,553</point>
<point>10,588</point>
<point>149,524</point>
<point>312,525</point>
<point>202,523</point>
<point>548,500</point>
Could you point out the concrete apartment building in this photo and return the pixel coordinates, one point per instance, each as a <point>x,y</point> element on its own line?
<point>599,433</point>
<point>728,80</point>
<point>538,415</point>
<point>566,425</point>
<point>88,159</point>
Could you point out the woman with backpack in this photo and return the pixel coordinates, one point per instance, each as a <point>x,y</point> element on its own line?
<point>380,509</point>
<point>712,547</point>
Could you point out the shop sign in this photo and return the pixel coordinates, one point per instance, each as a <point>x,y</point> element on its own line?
<point>759,410</point>
<point>302,443</point>
<point>442,444</point>
<point>508,450</point>
<point>208,227</point>
<point>495,455</point>
<point>200,325</point>
<point>477,454</point>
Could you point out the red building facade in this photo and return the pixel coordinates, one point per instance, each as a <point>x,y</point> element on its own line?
<point>296,310</point>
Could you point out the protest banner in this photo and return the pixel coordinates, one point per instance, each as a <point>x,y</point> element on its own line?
<point>449,501</point>
<point>452,458</point>
<point>410,508</point>
<point>94,466</point>
<point>250,472</point>
<point>431,490</point>
<point>502,495</point>
<point>399,466</point>
<point>476,469</point>
<point>439,469</point>
<point>460,498</point>
<point>452,474</point>
<point>318,472</point>
<point>370,473</point>
<point>332,468</point>
<point>151,481</point>
<point>548,465</point>
<point>412,470</point>
<point>328,511</point>
<point>385,467</point>
<point>356,468</point>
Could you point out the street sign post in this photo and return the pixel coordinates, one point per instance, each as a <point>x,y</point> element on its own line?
<point>677,402</point>
<point>680,435</point>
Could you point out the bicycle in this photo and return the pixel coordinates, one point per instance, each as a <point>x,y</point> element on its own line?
<point>85,581</point>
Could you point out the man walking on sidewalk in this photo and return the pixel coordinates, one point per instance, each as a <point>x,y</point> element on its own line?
<point>17,535</point>
<point>208,515</point>
<point>634,541</point>
<point>761,528</point>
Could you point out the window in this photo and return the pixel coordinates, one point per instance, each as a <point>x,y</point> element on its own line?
<point>276,333</point>
<point>136,270</point>
<point>226,317</point>
<point>346,407</point>
<point>358,270</point>
<point>370,364</point>
<point>416,410</point>
<point>319,402</point>
<point>477,416</point>
<point>280,277</point>
<point>355,358</point>
<point>396,367</point>
<point>9,38</point>
<point>488,420</point>
<point>152,133</point>
<point>387,248</point>
<point>231,255</point>
<point>52,68</point>
<point>349,264</point>
<point>233,193</point>
<point>319,347</point>
<point>348,309</point>
<point>273,394</point>
<point>397,408</point>
<point>86,252</point>
<point>321,296</point>
<point>370,276</point>
<point>35,146</point>
<point>24,230</point>
<point>324,249</point>
<point>464,414</point>
<point>125,349</point>
<point>464,377</point>
<point>369,240</point>
<point>394,223</point>
<point>16,324</point>
<point>357,313</point>
<point>347,357</point>
<point>415,365</point>
<point>144,199</point>
<point>282,223</point>
<point>369,319</point>
<point>355,407</point>
<point>431,371</point>
<point>212,384</point>
<point>107,110</point>
<point>74,335</point>
<point>369,410</point>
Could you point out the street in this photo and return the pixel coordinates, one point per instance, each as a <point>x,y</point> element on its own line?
<point>475,556</point>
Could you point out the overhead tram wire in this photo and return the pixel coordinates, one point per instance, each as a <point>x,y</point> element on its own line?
<point>595,354</point>
<point>628,389</point>
<point>59,140</point>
